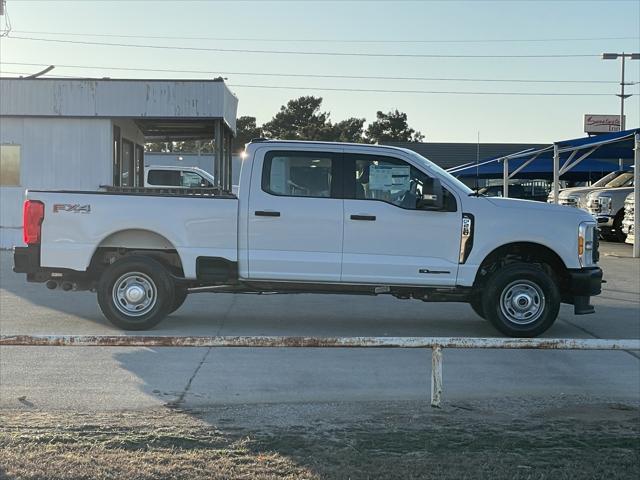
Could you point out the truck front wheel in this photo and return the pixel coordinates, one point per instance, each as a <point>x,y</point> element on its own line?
<point>135,293</point>
<point>521,300</point>
<point>178,299</point>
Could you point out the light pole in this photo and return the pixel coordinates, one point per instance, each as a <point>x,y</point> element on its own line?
<point>622,56</point>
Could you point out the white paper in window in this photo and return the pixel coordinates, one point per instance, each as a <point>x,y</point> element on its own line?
<point>389,178</point>
<point>278,180</point>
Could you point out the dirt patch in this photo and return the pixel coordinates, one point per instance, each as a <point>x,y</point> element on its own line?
<point>398,441</point>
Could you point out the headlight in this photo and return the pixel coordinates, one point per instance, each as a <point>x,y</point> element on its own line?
<point>573,200</point>
<point>587,246</point>
<point>605,205</point>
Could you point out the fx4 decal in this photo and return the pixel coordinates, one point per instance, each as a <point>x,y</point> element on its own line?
<point>74,208</point>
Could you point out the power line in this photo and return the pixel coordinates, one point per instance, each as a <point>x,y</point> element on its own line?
<point>378,90</point>
<point>314,75</point>
<point>324,40</point>
<point>294,52</point>
<point>428,92</point>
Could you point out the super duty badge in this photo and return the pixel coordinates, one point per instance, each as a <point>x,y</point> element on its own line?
<point>69,207</point>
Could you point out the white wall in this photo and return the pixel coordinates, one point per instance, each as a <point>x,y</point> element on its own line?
<point>56,153</point>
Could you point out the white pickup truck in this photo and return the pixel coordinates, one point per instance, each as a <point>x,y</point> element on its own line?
<point>316,218</point>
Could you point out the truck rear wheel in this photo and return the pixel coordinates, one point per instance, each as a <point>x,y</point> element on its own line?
<point>135,293</point>
<point>521,300</point>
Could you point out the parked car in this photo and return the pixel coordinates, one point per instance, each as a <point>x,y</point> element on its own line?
<point>182,177</point>
<point>607,207</point>
<point>317,218</point>
<point>524,192</point>
<point>627,221</point>
<point>577,196</point>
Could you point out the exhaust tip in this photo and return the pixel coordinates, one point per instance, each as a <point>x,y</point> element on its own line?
<point>66,286</point>
<point>52,284</point>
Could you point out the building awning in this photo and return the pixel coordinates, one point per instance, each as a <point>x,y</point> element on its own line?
<point>181,101</point>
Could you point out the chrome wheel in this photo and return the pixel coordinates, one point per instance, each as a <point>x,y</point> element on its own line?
<point>522,302</point>
<point>134,294</point>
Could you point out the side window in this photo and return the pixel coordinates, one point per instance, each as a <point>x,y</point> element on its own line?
<point>164,178</point>
<point>193,180</point>
<point>393,181</point>
<point>298,174</point>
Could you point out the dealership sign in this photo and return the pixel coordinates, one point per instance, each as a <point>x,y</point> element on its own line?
<point>601,123</point>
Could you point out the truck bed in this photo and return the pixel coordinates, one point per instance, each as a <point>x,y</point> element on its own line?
<point>200,224</point>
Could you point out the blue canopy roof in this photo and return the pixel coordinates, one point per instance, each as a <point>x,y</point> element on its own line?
<point>608,148</point>
<point>541,168</point>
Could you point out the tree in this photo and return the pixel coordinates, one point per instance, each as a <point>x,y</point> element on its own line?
<point>392,127</point>
<point>246,129</point>
<point>349,130</point>
<point>184,146</point>
<point>299,119</point>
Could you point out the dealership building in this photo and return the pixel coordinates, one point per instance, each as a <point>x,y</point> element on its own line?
<point>79,134</point>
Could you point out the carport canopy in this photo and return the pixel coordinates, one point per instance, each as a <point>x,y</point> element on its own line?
<point>567,155</point>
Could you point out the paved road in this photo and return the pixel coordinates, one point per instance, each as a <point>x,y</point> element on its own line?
<point>137,378</point>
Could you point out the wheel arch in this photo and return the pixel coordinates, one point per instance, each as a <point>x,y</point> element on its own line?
<point>530,252</point>
<point>137,241</point>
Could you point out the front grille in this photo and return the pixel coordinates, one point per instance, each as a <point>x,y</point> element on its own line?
<point>596,246</point>
<point>568,202</point>
<point>593,206</point>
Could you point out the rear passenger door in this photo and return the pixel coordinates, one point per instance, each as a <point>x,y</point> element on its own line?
<point>294,223</point>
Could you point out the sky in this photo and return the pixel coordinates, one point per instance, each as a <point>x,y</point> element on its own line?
<point>471,40</point>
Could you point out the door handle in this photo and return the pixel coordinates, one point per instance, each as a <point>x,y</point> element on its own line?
<point>266,213</point>
<point>370,218</point>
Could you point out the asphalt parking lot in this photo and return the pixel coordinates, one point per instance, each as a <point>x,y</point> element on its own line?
<point>138,378</point>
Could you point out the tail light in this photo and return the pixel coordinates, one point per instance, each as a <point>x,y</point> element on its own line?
<point>33,215</point>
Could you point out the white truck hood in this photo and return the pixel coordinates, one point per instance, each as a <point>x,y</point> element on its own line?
<point>541,207</point>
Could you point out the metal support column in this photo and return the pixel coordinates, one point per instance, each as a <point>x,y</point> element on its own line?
<point>636,196</point>
<point>224,173</point>
<point>218,155</point>
<point>505,177</point>
<point>436,376</point>
<point>556,173</point>
<point>230,160</point>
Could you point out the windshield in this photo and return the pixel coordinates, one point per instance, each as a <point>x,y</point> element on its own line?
<point>624,180</point>
<point>606,179</point>
<point>429,165</point>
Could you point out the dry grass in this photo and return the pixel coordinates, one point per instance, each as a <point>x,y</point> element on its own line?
<point>411,444</point>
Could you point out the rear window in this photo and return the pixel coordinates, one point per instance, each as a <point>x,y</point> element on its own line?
<point>169,178</point>
<point>298,174</point>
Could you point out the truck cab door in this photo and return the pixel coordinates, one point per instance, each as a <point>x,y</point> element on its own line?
<point>294,218</point>
<point>390,235</point>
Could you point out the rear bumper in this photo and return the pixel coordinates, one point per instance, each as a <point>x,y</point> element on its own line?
<point>583,284</point>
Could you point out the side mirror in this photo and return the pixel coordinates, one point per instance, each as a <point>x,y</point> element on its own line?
<point>432,200</point>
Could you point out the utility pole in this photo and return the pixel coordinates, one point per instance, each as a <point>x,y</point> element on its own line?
<point>622,56</point>
<point>622,95</point>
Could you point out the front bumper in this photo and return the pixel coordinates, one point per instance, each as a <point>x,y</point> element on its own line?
<point>604,220</point>
<point>583,284</point>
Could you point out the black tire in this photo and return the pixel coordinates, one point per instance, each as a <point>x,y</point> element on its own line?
<point>179,297</point>
<point>135,293</point>
<point>616,233</point>
<point>521,300</point>
<point>476,305</point>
